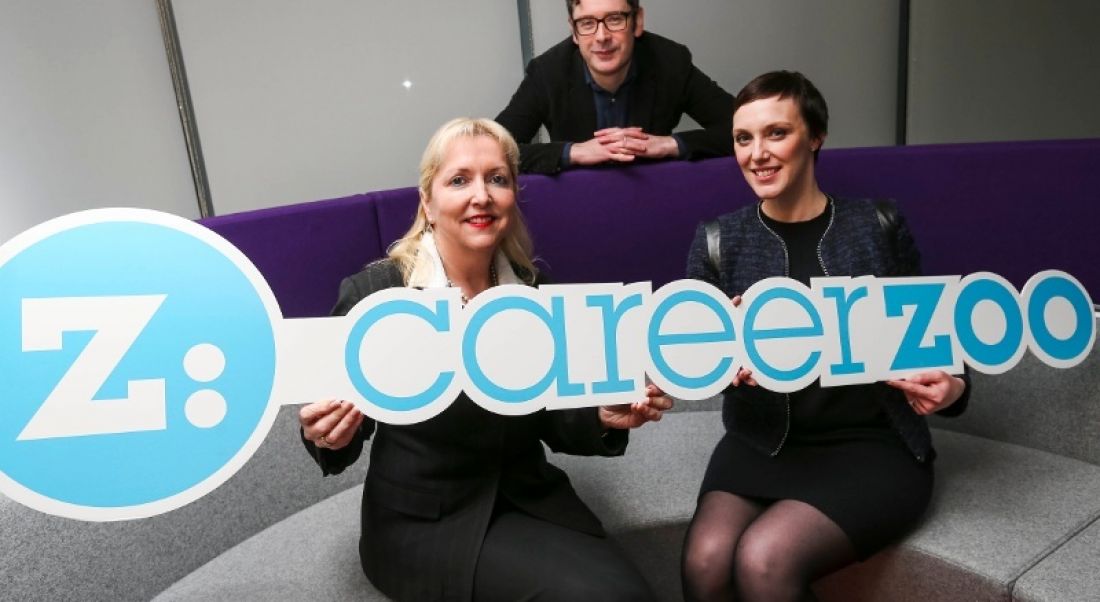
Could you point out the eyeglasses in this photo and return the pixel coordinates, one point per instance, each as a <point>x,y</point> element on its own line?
<point>586,26</point>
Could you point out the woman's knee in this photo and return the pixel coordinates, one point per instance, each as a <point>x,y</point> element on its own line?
<point>761,560</point>
<point>704,556</point>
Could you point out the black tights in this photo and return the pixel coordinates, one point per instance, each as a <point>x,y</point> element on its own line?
<point>740,549</point>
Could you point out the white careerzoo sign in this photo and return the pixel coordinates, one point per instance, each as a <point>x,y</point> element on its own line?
<point>516,349</point>
<point>143,358</point>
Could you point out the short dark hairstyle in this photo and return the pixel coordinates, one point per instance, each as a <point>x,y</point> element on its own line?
<point>797,87</point>
<point>571,4</point>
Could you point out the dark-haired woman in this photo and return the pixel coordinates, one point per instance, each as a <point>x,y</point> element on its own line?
<point>806,483</point>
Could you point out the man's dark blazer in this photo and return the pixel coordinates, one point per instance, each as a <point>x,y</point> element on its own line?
<point>432,486</point>
<point>668,85</point>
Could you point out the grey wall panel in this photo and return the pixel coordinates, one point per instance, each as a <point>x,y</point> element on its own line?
<point>297,101</point>
<point>847,47</point>
<point>87,113</point>
<point>986,70</point>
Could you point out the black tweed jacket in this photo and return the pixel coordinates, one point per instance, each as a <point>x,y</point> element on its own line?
<point>855,244</point>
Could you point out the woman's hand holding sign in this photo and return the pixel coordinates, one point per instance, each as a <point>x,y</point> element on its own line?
<point>929,392</point>
<point>330,424</point>
<point>743,375</point>
<point>633,415</point>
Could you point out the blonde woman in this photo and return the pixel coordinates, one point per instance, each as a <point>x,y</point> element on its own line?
<point>465,506</point>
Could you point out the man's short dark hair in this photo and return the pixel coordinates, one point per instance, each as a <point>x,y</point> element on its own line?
<point>571,4</point>
<point>797,87</point>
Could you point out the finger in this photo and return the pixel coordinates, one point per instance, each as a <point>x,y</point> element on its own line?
<point>316,428</point>
<point>661,402</point>
<point>745,376</point>
<point>611,138</point>
<point>652,390</point>
<point>359,417</point>
<point>929,406</point>
<point>343,429</point>
<point>908,387</point>
<point>344,438</point>
<point>325,424</point>
<point>927,378</point>
<point>314,436</point>
<point>311,412</point>
<point>625,158</point>
<point>645,411</point>
<point>608,132</point>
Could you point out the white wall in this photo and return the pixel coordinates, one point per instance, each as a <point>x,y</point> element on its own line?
<point>87,112</point>
<point>984,70</point>
<point>298,101</point>
<point>848,48</point>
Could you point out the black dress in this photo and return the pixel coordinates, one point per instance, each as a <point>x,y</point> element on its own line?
<point>841,456</point>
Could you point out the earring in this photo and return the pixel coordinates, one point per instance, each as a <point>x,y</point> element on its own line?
<point>429,228</point>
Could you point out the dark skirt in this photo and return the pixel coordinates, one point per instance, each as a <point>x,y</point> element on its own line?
<point>868,483</point>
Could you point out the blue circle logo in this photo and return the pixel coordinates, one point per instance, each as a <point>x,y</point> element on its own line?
<point>137,359</point>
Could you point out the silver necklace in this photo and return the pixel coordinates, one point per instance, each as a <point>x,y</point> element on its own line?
<point>492,281</point>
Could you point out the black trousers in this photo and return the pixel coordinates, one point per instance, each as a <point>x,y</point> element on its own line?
<point>526,558</point>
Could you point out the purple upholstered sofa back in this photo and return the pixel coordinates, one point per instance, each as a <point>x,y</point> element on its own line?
<point>1010,208</point>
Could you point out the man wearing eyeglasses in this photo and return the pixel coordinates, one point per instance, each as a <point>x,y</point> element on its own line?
<point>612,93</point>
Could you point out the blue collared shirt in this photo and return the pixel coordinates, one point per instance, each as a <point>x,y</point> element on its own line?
<point>612,108</point>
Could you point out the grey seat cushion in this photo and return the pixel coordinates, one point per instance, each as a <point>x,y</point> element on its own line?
<point>645,497</point>
<point>997,509</point>
<point>655,483</point>
<point>1071,573</point>
<point>1037,406</point>
<point>311,555</point>
<point>45,557</point>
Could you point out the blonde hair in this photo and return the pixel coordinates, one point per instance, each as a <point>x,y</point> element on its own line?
<point>517,240</point>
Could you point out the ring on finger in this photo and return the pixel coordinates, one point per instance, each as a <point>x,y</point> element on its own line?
<point>322,441</point>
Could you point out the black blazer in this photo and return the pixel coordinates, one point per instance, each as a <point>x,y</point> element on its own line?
<point>668,85</point>
<point>431,487</point>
